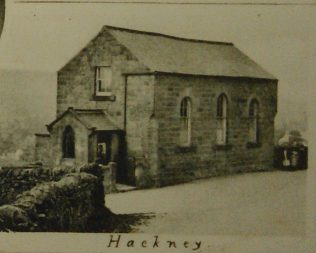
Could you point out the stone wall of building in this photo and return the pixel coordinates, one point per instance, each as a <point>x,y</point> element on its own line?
<point>76,80</point>
<point>139,114</point>
<point>204,158</point>
<point>65,205</point>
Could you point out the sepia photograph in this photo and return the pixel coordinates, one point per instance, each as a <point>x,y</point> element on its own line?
<point>174,126</point>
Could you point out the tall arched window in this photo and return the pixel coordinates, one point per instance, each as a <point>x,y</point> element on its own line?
<point>68,142</point>
<point>254,121</point>
<point>222,107</point>
<point>185,115</point>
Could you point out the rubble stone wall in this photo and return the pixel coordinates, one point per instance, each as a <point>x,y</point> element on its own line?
<point>64,205</point>
<point>15,180</point>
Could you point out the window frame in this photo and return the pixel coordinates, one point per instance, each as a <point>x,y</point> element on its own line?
<point>98,80</point>
<point>253,114</point>
<point>186,121</point>
<point>222,120</point>
<point>67,133</point>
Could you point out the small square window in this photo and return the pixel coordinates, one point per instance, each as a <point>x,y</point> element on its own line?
<point>103,78</point>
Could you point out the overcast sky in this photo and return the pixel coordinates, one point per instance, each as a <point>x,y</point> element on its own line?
<point>280,38</point>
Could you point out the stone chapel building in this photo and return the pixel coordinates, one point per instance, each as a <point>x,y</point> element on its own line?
<point>174,109</point>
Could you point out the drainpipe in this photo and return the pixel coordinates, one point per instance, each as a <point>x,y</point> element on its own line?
<point>125,100</point>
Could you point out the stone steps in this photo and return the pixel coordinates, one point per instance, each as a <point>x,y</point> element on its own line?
<point>124,188</point>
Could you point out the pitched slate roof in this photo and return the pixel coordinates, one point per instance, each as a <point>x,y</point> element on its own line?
<point>96,119</point>
<point>168,54</point>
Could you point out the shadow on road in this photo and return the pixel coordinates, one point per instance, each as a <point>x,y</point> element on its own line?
<point>106,221</point>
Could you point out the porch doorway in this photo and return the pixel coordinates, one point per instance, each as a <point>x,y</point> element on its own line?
<point>110,146</point>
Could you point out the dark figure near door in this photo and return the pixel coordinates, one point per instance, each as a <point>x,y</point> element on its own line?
<point>101,155</point>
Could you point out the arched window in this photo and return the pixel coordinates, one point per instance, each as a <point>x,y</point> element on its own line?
<point>222,108</point>
<point>185,115</point>
<point>68,142</point>
<point>254,120</point>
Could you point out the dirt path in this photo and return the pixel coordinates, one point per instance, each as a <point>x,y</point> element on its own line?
<point>271,203</point>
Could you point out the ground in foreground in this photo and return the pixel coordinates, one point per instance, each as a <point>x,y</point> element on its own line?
<point>269,203</point>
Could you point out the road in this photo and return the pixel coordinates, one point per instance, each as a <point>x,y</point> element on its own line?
<point>256,204</point>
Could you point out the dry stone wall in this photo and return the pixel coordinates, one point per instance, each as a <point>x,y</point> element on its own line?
<point>64,205</point>
<point>59,199</point>
<point>14,181</point>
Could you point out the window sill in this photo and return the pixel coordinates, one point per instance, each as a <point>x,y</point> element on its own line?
<point>222,147</point>
<point>103,93</point>
<point>185,149</point>
<point>99,97</point>
<point>253,145</point>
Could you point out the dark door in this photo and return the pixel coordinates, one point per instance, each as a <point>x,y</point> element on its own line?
<point>122,171</point>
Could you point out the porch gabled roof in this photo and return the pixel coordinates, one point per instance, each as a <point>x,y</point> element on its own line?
<point>92,119</point>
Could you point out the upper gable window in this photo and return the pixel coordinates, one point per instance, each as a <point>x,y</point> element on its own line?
<point>103,78</point>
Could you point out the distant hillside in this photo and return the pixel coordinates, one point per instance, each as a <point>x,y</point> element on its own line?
<point>27,103</point>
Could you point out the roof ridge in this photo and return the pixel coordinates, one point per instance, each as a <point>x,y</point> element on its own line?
<point>168,36</point>
<point>69,110</point>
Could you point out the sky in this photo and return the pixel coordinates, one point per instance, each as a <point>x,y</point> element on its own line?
<point>44,37</point>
